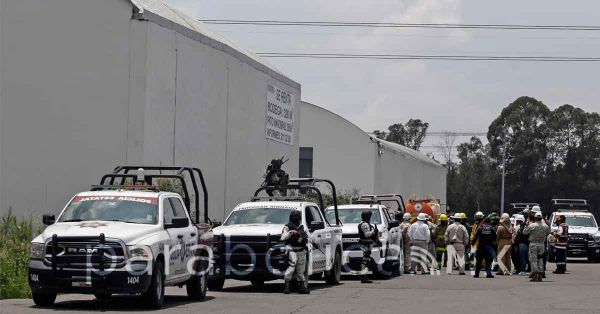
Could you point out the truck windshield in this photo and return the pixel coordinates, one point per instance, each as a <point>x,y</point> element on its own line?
<point>352,215</point>
<point>139,210</point>
<point>250,216</point>
<point>581,221</point>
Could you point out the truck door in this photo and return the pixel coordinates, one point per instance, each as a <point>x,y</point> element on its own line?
<point>176,244</point>
<point>319,237</point>
<point>190,236</point>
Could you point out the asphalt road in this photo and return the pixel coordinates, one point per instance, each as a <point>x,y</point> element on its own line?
<point>576,292</point>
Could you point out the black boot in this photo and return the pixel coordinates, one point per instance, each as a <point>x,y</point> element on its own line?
<point>287,288</point>
<point>365,279</point>
<point>303,288</point>
<point>533,276</point>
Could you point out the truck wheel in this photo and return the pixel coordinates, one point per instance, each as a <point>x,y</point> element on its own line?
<point>42,300</point>
<point>102,296</point>
<point>155,296</point>
<point>334,276</point>
<point>196,286</point>
<point>216,284</point>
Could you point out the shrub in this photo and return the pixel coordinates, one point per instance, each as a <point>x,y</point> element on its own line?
<point>15,237</point>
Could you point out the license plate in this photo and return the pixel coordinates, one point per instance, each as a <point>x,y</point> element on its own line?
<point>81,284</point>
<point>350,240</point>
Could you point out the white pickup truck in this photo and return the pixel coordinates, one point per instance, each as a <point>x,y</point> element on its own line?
<point>122,239</point>
<point>387,257</point>
<point>247,246</point>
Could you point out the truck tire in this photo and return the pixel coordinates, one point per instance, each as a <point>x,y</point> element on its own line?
<point>216,284</point>
<point>197,285</point>
<point>44,299</point>
<point>155,296</point>
<point>334,276</point>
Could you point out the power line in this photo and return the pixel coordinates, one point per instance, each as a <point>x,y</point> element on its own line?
<point>456,133</point>
<point>404,25</point>
<point>426,57</point>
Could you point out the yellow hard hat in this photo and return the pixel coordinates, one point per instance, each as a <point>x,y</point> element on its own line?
<point>463,215</point>
<point>443,217</point>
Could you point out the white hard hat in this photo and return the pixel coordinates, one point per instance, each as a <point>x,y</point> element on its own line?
<point>457,216</point>
<point>536,209</point>
<point>479,215</point>
<point>407,216</point>
<point>422,217</point>
<point>519,218</point>
<point>538,215</point>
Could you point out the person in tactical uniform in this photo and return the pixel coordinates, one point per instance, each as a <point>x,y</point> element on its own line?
<point>296,239</point>
<point>486,236</point>
<point>368,236</point>
<point>472,251</point>
<point>538,231</point>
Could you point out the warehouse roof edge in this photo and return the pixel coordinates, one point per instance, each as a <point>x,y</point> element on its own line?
<point>157,11</point>
<point>390,146</point>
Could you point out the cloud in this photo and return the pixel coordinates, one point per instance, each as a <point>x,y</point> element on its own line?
<point>458,96</point>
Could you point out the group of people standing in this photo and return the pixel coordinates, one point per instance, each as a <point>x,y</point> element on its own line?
<point>520,241</point>
<point>428,246</point>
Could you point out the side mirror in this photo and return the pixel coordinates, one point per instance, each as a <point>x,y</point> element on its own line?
<point>48,219</point>
<point>317,225</point>
<point>178,222</point>
<point>393,224</point>
<point>216,223</point>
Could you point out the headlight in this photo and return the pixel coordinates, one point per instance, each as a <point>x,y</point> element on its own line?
<point>37,250</point>
<point>139,252</point>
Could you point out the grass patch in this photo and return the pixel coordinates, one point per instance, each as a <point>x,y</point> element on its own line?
<point>15,237</point>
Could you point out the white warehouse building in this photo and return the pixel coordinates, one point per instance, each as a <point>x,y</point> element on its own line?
<point>335,148</point>
<point>86,85</point>
<point>90,84</point>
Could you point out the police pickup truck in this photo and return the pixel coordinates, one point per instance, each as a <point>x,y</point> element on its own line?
<point>387,256</point>
<point>125,239</point>
<point>247,246</point>
<point>584,235</point>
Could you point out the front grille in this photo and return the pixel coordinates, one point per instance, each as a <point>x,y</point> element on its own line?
<point>250,252</point>
<point>237,245</point>
<point>76,253</point>
<point>578,238</point>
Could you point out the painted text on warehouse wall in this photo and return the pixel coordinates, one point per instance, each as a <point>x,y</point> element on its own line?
<point>280,115</point>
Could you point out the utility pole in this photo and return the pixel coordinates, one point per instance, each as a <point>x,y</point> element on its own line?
<point>503,177</point>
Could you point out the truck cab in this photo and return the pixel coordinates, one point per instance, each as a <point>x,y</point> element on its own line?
<point>122,239</point>
<point>248,246</point>
<point>388,258</point>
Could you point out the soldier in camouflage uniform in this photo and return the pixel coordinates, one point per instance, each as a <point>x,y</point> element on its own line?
<point>538,231</point>
<point>296,240</point>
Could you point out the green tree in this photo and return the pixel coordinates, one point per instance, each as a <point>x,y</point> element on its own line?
<point>411,135</point>
<point>549,154</point>
<point>520,134</point>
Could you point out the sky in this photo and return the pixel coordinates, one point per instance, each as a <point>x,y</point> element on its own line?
<point>450,95</point>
